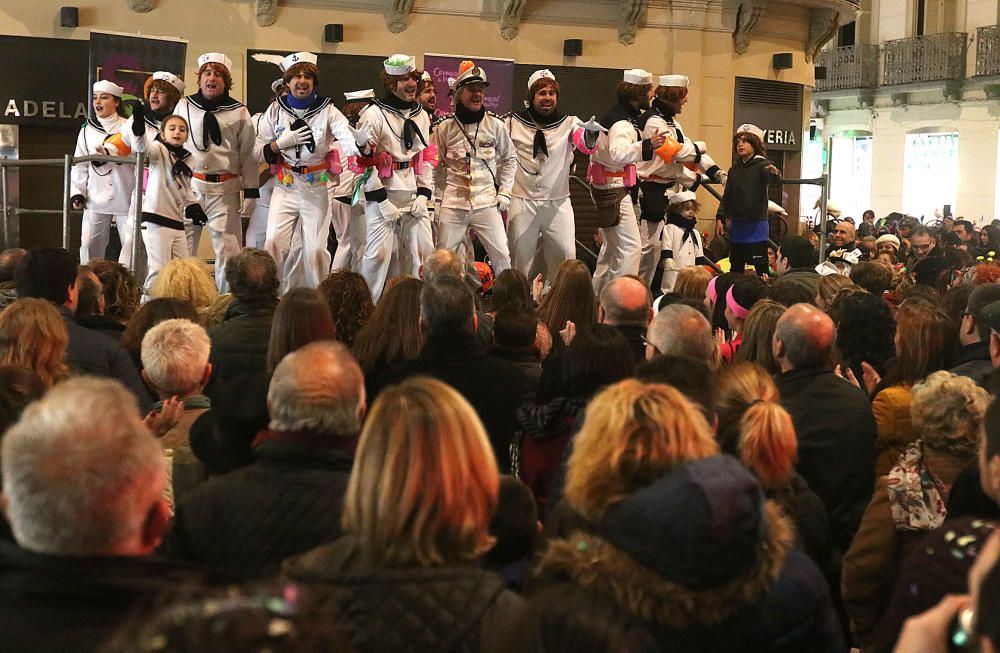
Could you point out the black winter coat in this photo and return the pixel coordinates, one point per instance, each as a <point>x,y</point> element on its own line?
<point>836,436</point>
<point>249,520</point>
<point>239,344</point>
<point>745,197</point>
<point>448,609</point>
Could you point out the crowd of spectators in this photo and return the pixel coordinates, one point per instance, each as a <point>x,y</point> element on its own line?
<point>809,462</point>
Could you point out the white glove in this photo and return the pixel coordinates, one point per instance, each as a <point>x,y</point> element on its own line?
<point>419,208</point>
<point>723,177</point>
<point>593,126</point>
<point>249,204</point>
<point>503,202</point>
<point>701,146</point>
<point>389,211</point>
<point>669,265</point>
<point>291,138</point>
<point>362,135</point>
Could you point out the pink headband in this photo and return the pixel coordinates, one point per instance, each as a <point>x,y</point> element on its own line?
<point>712,295</point>
<point>737,310</point>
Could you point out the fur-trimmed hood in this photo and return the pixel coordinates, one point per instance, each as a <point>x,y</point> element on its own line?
<point>597,565</point>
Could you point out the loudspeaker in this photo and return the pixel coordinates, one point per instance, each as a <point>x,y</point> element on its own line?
<point>572,47</point>
<point>333,33</point>
<point>781,61</point>
<point>820,72</point>
<point>69,16</point>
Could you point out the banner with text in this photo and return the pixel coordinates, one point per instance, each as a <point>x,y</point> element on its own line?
<point>499,74</point>
<point>30,98</point>
<point>129,60</point>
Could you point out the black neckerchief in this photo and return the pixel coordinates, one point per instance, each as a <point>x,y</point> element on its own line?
<point>688,225</point>
<point>539,144</point>
<point>406,110</point>
<point>620,111</point>
<point>467,117</point>
<point>179,169</point>
<point>159,114</point>
<point>210,125</point>
<point>664,109</point>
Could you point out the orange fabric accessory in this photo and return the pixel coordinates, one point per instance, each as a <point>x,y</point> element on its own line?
<point>115,141</point>
<point>668,150</point>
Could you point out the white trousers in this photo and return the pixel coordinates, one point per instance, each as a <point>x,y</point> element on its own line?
<point>453,224</point>
<point>257,227</point>
<point>126,229</point>
<point>621,249</point>
<point>651,234</point>
<point>162,245</point>
<point>304,210</point>
<point>340,221</point>
<point>545,225</point>
<point>393,248</point>
<point>225,227</point>
<point>95,232</point>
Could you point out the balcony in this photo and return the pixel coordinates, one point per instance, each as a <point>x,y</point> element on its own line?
<point>851,67</point>
<point>928,58</point>
<point>988,51</point>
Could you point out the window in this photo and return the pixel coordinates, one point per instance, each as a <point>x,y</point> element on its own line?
<point>851,174</point>
<point>846,34</point>
<point>930,173</point>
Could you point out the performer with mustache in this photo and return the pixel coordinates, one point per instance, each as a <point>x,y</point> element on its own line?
<point>221,141</point>
<point>540,207</point>
<point>296,134</point>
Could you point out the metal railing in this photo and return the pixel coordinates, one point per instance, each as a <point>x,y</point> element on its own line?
<point>988,50</point>
<point>927,58</point>
<point>67,163</point>
<point>853,66</point>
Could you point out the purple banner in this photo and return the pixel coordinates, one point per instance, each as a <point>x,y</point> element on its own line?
<point>499,74</point>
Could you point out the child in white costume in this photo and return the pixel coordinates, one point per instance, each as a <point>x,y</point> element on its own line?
<point>168,199</point>
<point>102,190</point>
<point>682,246</point>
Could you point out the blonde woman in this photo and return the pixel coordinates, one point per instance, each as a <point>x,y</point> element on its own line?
<point>416,516</point>
<point>33,335</point>
<point>827,288</point>
<point>692,282</point>
<point>187,278</point>
<point>947,414</point>
<point>682,539</point>
<point>755,428</point>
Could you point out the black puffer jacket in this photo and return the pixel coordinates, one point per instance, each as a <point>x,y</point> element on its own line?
<point>448,609</point>
<point>249,520</point>
<point>239,344</point>
<point>745,197</point>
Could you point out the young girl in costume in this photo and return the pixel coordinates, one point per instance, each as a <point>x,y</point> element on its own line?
<point>168,199</point>
<point>682,246</point>
<point>744,202</point>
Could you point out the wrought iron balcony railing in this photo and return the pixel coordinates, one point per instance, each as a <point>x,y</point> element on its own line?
<point>853,66</point>
<point>928,58</point>
<point>988,50</point>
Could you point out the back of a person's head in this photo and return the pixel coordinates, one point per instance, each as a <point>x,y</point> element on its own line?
<point>758,332</point>
<point>152,313</point>
<point>33,335</point>
<point>447,308</point>
<point>598,356</point>
<point>514,524</point>
<point>318,387</point>
<point>721,288</point>
<point>827,288</point>
<point>19,386</point>
<point>175,357</point>
<point>633,433</point>
<point>737,386</point>
<point>571,297</point>
<point>694,378</point>
<point>680,330</point>
<point>81,473</point>
<point>692,281</point>
<point>767,444</point>
<point>514,329</point>
<point>865,329</point>
<point>799,252</point>
<point>873,276</point>
<point>350,302</point>
<point>745,293</point>
<point>442,262</point>
<point>121,291</point>
<point>186,278</point>
<point>626,301</point>
<point>392,333</point>
<point>926,337</point>
<point>9,260</point>
<point>252,276</point>
<point>808,335</point>
<point>512,292</point>
<point>46,273</point>
<point>303,316</point>
<point>947,412</point>
<point>424,446</point>
<point>981,297</point>
<point>88,292</point>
